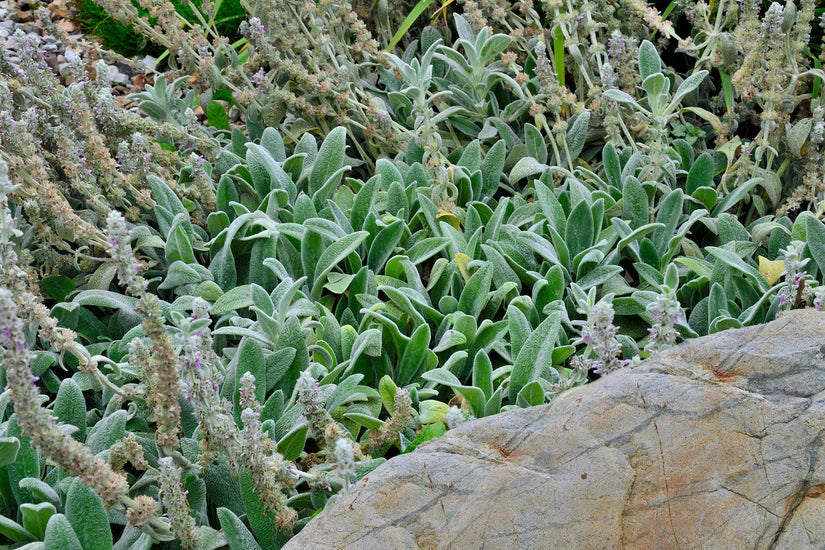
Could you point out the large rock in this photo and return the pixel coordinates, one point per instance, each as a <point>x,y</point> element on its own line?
<point>714,444</point>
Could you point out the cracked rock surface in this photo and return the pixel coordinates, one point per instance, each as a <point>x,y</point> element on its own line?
<point>713,444</point>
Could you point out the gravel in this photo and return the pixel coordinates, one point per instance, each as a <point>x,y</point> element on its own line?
<point>22,15</point>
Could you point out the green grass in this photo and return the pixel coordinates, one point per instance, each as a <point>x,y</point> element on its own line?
<point>124,40</point>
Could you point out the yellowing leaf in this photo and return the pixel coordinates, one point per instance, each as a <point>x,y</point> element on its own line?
<point>462,260</point>
<point>430,411</point>
<point>771,269</point>
<point>820,210</point>
<point>449,218</point>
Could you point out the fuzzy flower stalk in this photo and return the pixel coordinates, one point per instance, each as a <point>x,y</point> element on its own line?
<point>177,507</point>
<point>598,332</point>
<point>163,362</point>
<point>344,457</point>
<point>321,422</point>
<point>402,415</point>
<point>665,314</point>
<point>269,472</point>
<point>18,304</point>
<point>201,379</point>
<point>795,287</point>
<point>38,423</point>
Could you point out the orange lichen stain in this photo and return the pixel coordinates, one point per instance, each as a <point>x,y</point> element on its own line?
<point>353,500</point>
<point>816,491</point>
<point>722,375</point>
<point>500,450</point>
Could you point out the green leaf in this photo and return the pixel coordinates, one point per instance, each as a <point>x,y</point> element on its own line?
<point>237,535</point>
<point>272,141</point>
<point>531,395</point>
<point>70,407</point>
<point>180,274</point>
<point>362,205</point>
<point>426,249</point>
<point>36,516</point>
<point>387,389</point>
<point>687,86</point>
<point>579,231</point>
<point>701,173</point>
<point>623,97</point>
<point>165,197</point>
<point>492,167</point>
<point>365,420</point>
<point>107,431</point>
<point>483,373</point>
<point>13,530</point>
<point>330,159</point>
<point>649,61</point>
<point>728,201</point>
<point>237,298</point>
<point>577,136</point>
<point>414,14</point>
<point>558,54</point>
<point>551,207</point>
<point>727,89</point>
<point>133,538</point>
<point>60,535</point>
<point>292,444</point>
<point>598,276</point>
<point>311,250</point>
<point>384,244</point>
<point>815,232</point>
<point>734,261</point>
<point>670,210</point>
<point>58,286</point>
<point>471,157</point>
<point>535,354</point>
<point>428,433</point>
<point>412,358</point>
<point>612,166</point>
<point>9,446</point>
<point>636,205</point>
<point>474,396</point>
<point>216,116</point>
<point>476,291</point>
<point>536,147</point>
<point>106,298</point>
<point>88,518</point>
<point>706,195</point>
<point>333,254</point>
<point>526,167</point>
<point>42,491</point>
<point>26,464</point>
<point>267,174</point>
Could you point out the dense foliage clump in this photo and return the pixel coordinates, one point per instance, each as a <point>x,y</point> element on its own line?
<point>210,328</point>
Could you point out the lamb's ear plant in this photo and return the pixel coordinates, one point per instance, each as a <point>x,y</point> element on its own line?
<point>210,330</point>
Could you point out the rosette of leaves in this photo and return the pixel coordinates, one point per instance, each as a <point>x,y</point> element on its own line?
<point>476,95</point>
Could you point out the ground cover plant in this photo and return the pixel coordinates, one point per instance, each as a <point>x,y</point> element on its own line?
<point>209,329</point>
